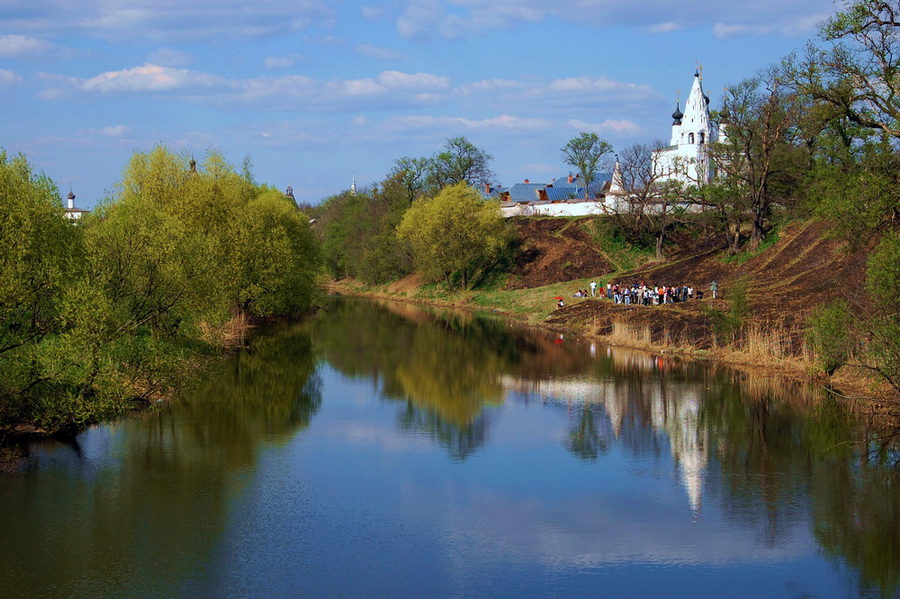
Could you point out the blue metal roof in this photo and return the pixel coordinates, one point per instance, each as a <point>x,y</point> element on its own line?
<point>561,188</point>
<point>525,192</point>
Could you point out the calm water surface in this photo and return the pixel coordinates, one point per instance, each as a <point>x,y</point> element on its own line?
<point>384,451</point>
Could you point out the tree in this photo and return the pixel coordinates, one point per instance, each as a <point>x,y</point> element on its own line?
<point>883,323</point>
<point>855,76</point>
<point>39,252</point>
<point>39,260</point>
<point>584,154</point>
<point>412,174</point>
<point>456,232</point>
<point>646,214</point>
<point>276,259</point>
<point>461,161</point>
<point>358,232</point>
<point>760,154</point>
<point>858,71</point>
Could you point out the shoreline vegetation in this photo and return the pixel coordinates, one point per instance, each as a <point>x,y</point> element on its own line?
<point>128,304</point>
<point>762,350</point>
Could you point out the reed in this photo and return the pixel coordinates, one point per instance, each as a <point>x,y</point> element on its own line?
<point>778,346</point>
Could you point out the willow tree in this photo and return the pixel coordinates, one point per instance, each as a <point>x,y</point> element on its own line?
<point>456,232</point>
<point>38,260</point>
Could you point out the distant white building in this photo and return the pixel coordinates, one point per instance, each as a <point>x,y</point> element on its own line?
<point>686,159</point>
<point>72,213</point>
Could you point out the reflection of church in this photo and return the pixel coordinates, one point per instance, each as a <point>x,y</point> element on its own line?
<point>673,413</point>
<point>686,159</point>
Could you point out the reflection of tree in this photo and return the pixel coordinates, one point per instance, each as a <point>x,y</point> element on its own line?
<point>857,519</point>
<point>269,389</point>
<point>773,451</point>
<point>444,365</point>
<point>460,441</point>
<point>160,501</point>
<point>585,440</point>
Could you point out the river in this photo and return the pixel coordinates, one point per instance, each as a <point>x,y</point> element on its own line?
<point>382,450</point>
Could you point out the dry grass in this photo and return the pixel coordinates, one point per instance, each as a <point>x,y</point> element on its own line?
<point>233,333</point>
<point>770,346</point>
<point>630,335</point>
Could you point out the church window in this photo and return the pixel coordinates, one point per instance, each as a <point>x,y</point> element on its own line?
<point>690,138</point>
<point>702,137</point>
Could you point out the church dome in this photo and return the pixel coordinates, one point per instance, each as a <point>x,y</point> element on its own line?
<point>677,115</point>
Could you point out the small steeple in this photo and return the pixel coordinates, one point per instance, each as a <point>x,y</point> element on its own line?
<point>353,185</point>
<point>617,182</point>
<point>71,199</point>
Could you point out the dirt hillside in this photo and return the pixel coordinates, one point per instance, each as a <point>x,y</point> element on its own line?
<point>806,267</point>
<point>554,250</point>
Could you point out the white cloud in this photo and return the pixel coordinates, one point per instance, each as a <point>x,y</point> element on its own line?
<point>20,45</point>
<point>8,78</point>
<point>282,62</point>
<point>171,19</point>
<point>667,27</point>
<point>454,18</point>
<point>149,77</point>
<point>171,58</point>
<point>373,12</point>
<point>115,131</point>
<point>721,30</point>
<point>373,51</point>
<point>325,40</point>
<point>429,18</point>
<point>603,87</point>
<point>502,122</point>
<point>488,86</point>
<point>617,126</point>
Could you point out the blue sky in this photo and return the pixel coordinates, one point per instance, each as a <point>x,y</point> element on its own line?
<point>316,92</point>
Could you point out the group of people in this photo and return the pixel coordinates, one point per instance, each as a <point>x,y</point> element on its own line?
<point>642,294</point>
<point>651,295</point>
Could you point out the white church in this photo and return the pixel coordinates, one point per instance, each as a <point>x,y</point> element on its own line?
<point>686,159</point>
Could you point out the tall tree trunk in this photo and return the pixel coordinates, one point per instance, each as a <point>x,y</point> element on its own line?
<point>759,231</point>
<point>734,241</point>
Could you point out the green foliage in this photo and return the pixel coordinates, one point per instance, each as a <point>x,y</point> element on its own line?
<point>275,258</point>
<point>858,70</point>
<point>828,333</point>
<point>113,309</point>
<point>584,154</point>
<point>458,161</point>
<point>359,233</point>
<point>859,194</point>
<point>727,325</point>
<point>747,254</point>
<point>39,249</point>
<point>456,232</point>
<point>461,162</point>
<point>883,285</point>
<point>623,250</point>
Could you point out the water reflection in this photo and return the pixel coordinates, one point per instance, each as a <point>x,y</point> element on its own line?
<point>771,454</point>
<point>135,509</point>
<point>383,450</point>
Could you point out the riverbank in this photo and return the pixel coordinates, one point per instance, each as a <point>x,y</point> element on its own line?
<point>687,329</point>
